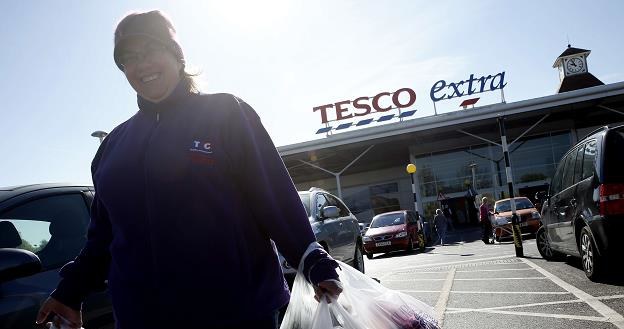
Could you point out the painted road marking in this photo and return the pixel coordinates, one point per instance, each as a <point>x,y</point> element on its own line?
<point>440,307</point>
<point>497,270</point>
<point>405,269</point>
<point>472,279</point>
<point>496,292</point>
<point>549,315</point>
<point>455,310</point>
<point>609,313</point>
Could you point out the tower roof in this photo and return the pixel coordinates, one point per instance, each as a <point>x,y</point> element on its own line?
<point>573,51</point>
<point>570,51</point>
<point>580,81</point>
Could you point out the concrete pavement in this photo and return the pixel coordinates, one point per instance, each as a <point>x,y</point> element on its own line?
<point>471,284</point>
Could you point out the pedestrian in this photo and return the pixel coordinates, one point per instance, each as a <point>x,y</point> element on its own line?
<point>191,198</point>
<point>441,223</point>
<point>486,224</point>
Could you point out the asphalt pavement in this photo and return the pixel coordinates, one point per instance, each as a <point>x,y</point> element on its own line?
<point>473,285</point>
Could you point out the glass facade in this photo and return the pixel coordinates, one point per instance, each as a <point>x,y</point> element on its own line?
<point>533,161</point>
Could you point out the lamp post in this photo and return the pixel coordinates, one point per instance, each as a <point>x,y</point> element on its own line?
<point>411,170</point>
<point>99,134</point>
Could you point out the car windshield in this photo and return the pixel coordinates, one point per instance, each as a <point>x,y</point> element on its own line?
<point>305,199</point>
<point>505,206</point>
<point>388,220</point>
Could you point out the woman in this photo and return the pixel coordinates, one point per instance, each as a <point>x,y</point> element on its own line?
<point>441,223</point>
<point>190,194</point>
<point>484,219</point>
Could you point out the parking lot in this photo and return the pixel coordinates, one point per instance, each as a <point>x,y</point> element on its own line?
<point>472,285</point>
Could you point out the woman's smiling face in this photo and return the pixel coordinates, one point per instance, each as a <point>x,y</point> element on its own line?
<point>151,69</point>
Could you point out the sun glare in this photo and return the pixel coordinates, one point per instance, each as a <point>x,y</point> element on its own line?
<point>251,14</point>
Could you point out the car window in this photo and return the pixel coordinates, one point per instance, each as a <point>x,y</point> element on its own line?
<point>568,171</point>
<point>557,179</point>
<point>578,164</point>
<point>334,201</point>
<point>321,202</point>
<point>53,227</point>
<point>589,158</point>
<point>388,220</point>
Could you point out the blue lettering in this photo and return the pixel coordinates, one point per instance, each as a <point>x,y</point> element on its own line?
<point>501,83</point>
<point>438,86</point>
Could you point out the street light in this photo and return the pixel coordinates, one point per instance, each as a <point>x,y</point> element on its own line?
<point>411,170</point>
<point>99,134</point>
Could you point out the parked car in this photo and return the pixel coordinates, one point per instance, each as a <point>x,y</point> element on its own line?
<point>335,228</point>
<point>526,211</point>
<point>583,213</point>
<point>42,227</point>
<point>391,231</point>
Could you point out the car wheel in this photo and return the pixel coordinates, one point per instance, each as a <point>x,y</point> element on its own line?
<point>543,246</point>
<point>358,258</point>
<point>591,261</point>
<point>369,255</point>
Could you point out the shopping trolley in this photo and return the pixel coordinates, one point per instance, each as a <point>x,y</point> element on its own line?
<point>501,227</point>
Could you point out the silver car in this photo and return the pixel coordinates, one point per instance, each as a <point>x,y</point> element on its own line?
<point>335,228</point>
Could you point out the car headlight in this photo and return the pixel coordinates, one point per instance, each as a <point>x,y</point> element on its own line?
<point>401,235</point>
<point>367,239</point>
<point>535,215</point>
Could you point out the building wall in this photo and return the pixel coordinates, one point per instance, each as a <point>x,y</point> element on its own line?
<point>533,159</point>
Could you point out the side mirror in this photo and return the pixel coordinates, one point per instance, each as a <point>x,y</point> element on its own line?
<point>17,263</point>
<point>330,212</point>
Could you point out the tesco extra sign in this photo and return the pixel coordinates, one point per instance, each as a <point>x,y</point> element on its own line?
<point>362,106</point>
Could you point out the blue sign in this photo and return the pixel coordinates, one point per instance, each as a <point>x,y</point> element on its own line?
<point>441,90</point>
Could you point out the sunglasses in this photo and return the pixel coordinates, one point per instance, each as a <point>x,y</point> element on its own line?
<point>132,58</point>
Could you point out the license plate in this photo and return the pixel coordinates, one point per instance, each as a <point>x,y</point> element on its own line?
<point>381,244</point>
<point>524,224</point>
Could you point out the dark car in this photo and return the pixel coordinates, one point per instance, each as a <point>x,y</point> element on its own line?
<point>391,231</point>
<point>335,228</point>
<point>583,213</point>
<point>42,227</point>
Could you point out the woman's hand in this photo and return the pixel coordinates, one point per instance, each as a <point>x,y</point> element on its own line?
<point>65,315</point>
<point>329,288</point>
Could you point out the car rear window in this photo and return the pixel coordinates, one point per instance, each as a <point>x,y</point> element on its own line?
<point>614,157</point>
<point>388,220</point>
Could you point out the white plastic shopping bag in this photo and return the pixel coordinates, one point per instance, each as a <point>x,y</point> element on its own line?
<point>363,304</point>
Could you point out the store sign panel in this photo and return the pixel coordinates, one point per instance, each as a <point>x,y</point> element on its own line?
<point>362,106</point>
<point>442,90</point>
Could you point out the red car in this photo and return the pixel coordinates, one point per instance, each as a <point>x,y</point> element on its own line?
<point>391,231</point>
<point>529,217</point>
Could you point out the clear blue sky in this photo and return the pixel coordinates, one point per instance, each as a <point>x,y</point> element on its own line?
<point>59,82</point>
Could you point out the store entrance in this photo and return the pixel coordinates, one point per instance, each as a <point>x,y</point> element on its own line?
<point>461,211</point>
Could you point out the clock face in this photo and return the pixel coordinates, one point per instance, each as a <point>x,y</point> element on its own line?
<point>575,65</point>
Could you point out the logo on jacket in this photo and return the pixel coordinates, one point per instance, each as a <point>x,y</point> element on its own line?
<point>201,152</point>
<point>202,147</point>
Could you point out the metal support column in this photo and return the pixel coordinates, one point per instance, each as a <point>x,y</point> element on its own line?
<point>337,174</point>
<point>515,222</point>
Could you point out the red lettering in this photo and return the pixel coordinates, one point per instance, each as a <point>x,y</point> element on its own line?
<point>323,109</point>
<point>363,106</point>
<point>411,101</point>
<point>340,110</point>
<point>376,102</point>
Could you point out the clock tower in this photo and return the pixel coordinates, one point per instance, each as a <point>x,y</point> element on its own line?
<point>573,73</point>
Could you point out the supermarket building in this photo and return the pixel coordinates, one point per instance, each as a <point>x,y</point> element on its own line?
<point>458,155</point>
